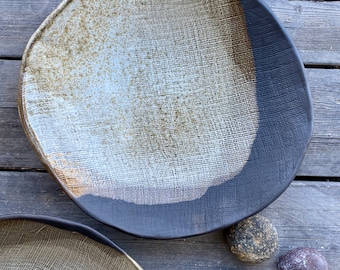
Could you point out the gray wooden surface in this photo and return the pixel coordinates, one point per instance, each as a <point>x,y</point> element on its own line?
<point>307,214</point>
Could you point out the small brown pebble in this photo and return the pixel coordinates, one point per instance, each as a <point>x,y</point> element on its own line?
<point>253,240</point>
<point>303,259</point>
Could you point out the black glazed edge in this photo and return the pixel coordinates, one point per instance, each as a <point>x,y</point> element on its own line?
<point>308,93</point>
<point>64,224</point>
<point>156,232</point>
<point>169,234</point>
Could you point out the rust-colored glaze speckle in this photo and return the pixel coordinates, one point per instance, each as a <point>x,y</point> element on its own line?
<point>150,102</point>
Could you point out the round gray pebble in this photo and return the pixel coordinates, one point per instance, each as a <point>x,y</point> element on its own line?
<point>253,240</point>
<point>303,259</point>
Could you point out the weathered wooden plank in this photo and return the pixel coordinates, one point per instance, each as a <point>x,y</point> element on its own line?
<point>322,157</point>
<point>9,75</point>
<point>314,26</point>
<point>15,150</point>
<point>18,21</point>
<point>305,215</point>
<point>325,88</point>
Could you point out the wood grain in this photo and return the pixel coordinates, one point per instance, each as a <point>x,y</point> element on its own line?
<point>322,157</point>
<point>15,150</point>
<point>9,75</point>
<point>18,21</point>
<point>305,215</point>
<point>314,28</point>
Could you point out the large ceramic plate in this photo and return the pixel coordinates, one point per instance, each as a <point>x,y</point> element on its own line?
<point>166,118</point>
<point>41,242</point>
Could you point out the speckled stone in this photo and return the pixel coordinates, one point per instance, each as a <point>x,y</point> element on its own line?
<point>303,259</point>
<point>253,240</point>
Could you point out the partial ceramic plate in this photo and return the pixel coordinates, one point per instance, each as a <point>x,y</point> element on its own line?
<point>166,118</point>
<point>42,242</point>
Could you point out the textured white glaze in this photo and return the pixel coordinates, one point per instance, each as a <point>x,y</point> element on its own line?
<point>150,102</point>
